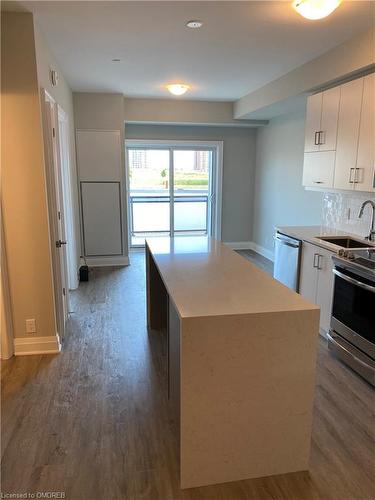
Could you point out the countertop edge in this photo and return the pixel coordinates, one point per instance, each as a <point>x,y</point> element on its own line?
<point>301,233</point>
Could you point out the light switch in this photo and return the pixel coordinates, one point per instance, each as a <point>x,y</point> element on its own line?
<point>30,326</point>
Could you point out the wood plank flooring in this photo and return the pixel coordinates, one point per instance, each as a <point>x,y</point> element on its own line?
<point>93,421</point>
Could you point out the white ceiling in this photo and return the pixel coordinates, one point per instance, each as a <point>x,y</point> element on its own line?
<point>241,47</point>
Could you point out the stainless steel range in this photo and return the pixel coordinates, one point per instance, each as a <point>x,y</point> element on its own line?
<point>352,334</point>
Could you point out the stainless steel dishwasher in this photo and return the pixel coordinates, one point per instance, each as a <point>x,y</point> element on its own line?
<point>287,260</point>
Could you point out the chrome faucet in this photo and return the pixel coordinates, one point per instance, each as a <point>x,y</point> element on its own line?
<point>371,236</point>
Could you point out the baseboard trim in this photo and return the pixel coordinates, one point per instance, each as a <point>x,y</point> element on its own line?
<point>239,245</point>
<point>107,261</point>
<point>268,254</point>
<point>37,345</point>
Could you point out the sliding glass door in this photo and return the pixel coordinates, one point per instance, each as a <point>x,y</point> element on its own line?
<point>170,191</point>
<point>148,194</point>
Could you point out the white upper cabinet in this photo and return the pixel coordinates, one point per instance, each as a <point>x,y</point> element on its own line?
<point>312,127</point>
<point>318,169</point>
<point>365,174</point>
<point>320,138</point>
<point>328,124</point>
<point>347,134</point>
<point>340,137</point>
<point>321,121</point>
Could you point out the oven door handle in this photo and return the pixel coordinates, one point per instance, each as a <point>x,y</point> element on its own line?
<point>353,281</point>
<point>331,337</point>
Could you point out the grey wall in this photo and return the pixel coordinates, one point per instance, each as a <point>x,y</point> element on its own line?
<point>279,197</point>
<point>238,169</point>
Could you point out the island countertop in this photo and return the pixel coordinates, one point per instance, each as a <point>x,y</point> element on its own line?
<point>206,278</point>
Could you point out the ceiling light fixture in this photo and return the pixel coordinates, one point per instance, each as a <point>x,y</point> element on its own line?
<point>315,9</point>
<point>178,88</point>
<point>194,24</point>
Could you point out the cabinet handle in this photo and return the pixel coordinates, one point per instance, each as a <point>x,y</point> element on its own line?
<point>319,267</point>
<point>316,139</point>
<point>315,265</point>
<point>318,182</point>
<point>350,176</point>
<point>356,177</point>
<point>320,135</point>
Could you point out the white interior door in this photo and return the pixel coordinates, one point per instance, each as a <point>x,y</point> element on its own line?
<point>67,199</point>
<point>56,210</point>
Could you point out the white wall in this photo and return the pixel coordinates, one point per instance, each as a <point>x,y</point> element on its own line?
<point>238,169</point>
<point>62,94</point>
<point>279,197</point>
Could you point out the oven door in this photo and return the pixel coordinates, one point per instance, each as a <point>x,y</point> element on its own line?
<point>353,310</point>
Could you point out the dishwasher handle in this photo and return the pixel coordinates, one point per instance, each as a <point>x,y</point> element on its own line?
<point>283,241</point>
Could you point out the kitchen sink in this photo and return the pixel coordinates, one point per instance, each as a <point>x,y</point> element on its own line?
<point>345,242</point>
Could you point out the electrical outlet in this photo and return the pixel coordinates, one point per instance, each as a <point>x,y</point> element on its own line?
<point>30,326</point>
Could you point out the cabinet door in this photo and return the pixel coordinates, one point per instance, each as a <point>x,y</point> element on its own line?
<point>347,134</point>
<point>324,291</point>
<point>101,218</point>
<point>312,126</point>
<point>309,273</point>
<point>329,120</point>
<point>366,145</point>
<point>318,169</point>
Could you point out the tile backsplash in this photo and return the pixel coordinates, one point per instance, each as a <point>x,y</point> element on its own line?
<point>340,211</point>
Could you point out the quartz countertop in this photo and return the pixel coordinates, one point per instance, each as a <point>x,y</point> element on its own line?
<point>311,234</point>
<point>205,278</point>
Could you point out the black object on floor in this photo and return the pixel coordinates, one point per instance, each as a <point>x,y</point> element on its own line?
<point>83,273</point>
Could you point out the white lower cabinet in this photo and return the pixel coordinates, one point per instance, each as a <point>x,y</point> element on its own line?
<point>316,280</point>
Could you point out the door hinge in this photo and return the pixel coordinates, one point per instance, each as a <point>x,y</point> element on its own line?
<point>64,292</point>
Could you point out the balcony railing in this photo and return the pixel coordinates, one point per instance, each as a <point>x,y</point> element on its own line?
<point>149,215</point>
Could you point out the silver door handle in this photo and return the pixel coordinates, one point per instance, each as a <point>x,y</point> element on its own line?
<point>353,281</point>
<point>60,243</point>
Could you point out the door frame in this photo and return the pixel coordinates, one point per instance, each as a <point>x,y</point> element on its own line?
<point>171,145</point>
<point>55,205</point>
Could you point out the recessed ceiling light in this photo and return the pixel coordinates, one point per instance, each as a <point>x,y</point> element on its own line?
<point>178,88</point>
<point>315,9</point>
<point>116,60</point>
<point>194,24</point>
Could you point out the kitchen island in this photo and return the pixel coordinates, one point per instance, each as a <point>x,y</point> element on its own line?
<point>241,361</point>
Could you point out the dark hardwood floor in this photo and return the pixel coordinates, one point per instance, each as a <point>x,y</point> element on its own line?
<point>93,421</point>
